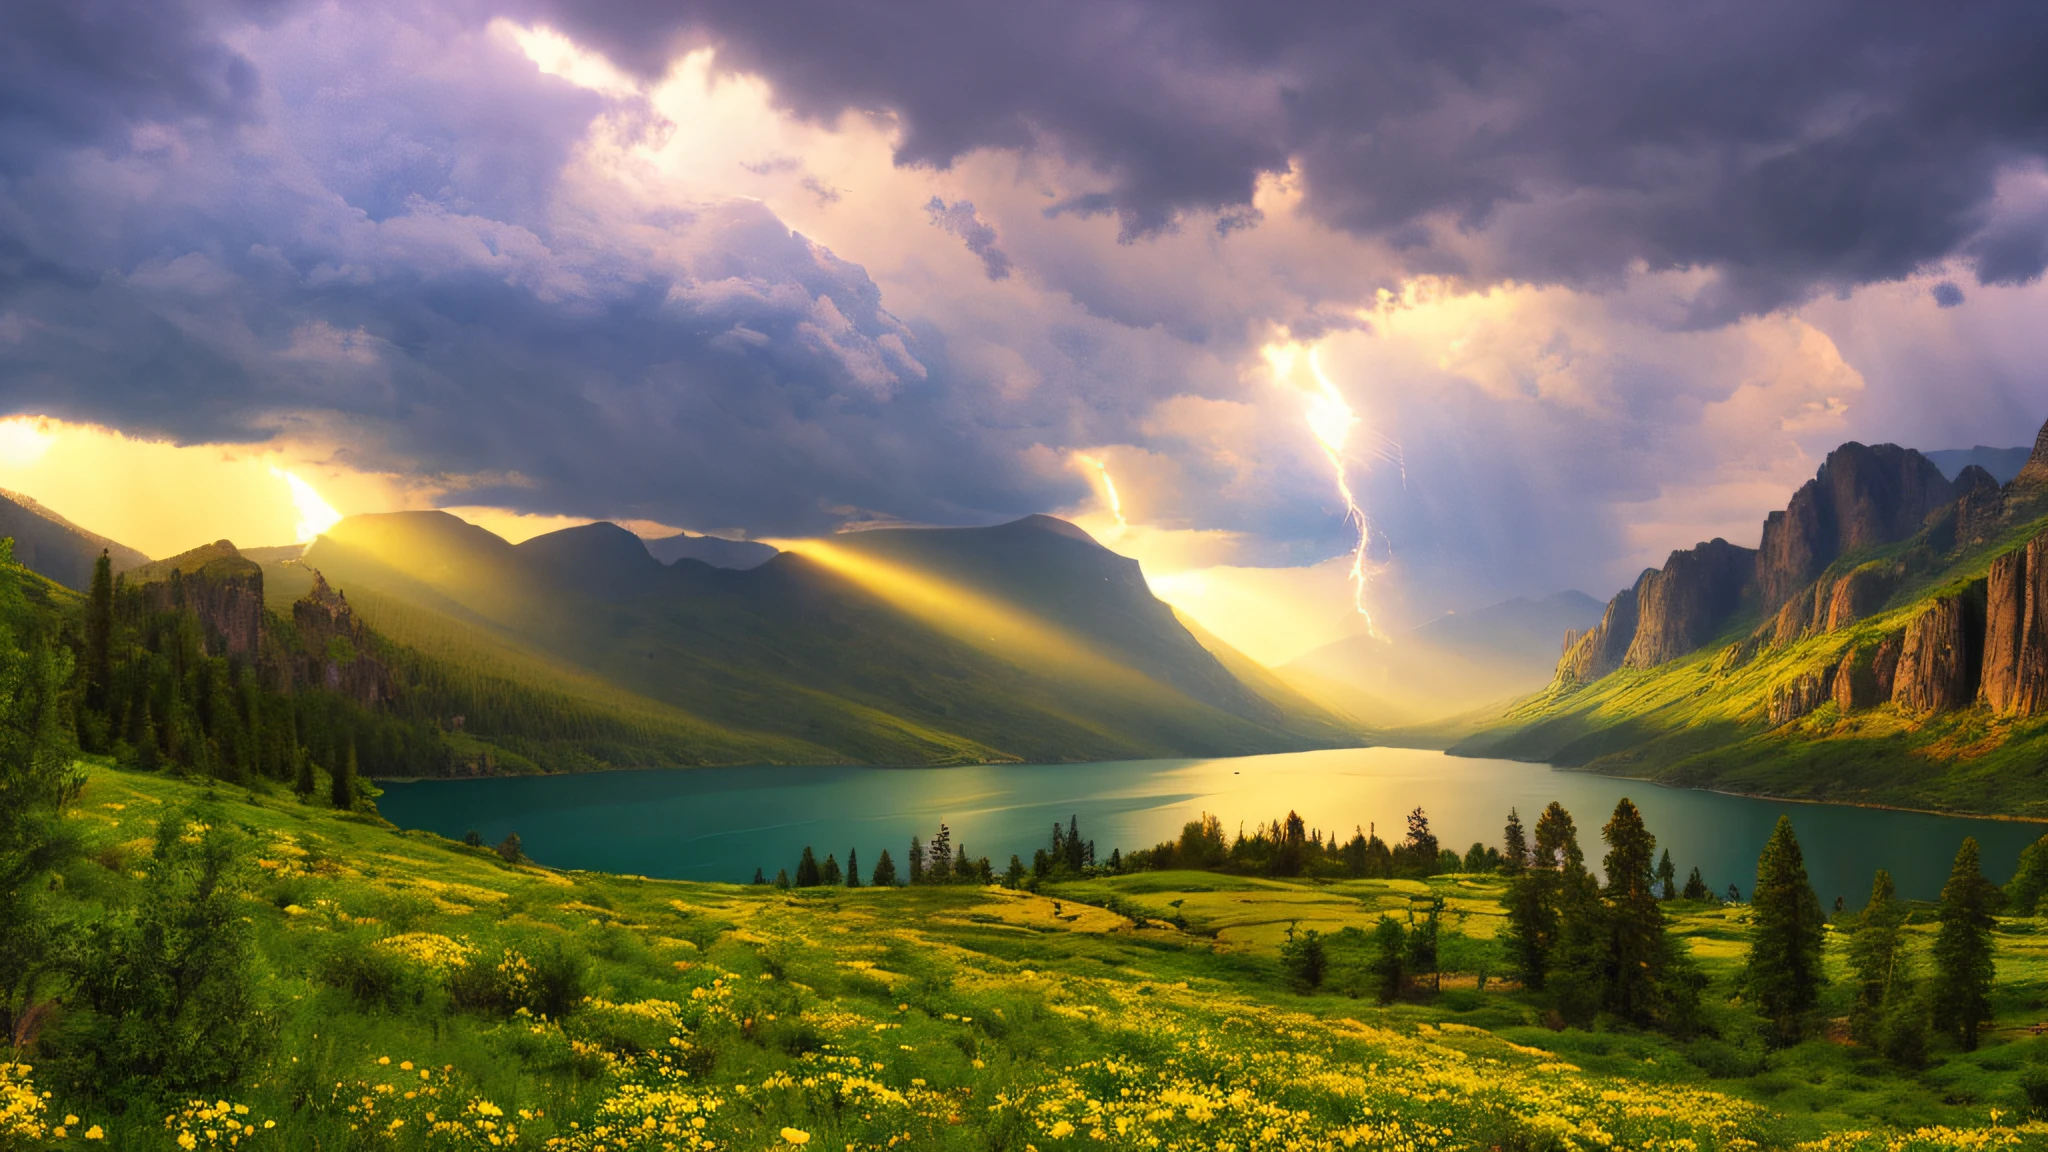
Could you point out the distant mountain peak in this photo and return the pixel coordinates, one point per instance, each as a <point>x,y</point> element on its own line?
<point>47,543</point>
<point>1054,525</point>
<point>2035,473</point>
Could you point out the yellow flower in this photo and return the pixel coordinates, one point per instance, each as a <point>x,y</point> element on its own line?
<point>187,1141</point>
<point>70,1119</point>
<point>1061,1130</point>
<point>95,1133</point>
<point>796,1136</point>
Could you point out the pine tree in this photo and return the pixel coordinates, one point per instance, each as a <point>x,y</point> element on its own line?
<point>828,874</point>
<point>1076,853</point>
<point>782,878</point>
<point>99,637</point>
<point>1535,898</point>
<point>1696,887</point>
<point>1579,959</point>
<point>807,875</point>
<point>1638,949</point>
<point>343,792</point>
<point>1514,853</point>
<point>759,878</point>
<point>1014,878</point>
<point>963,869</point>
<point>916,860</point>
<point>302,773</point>
<point>1667,878</point>
<point>885,871</point>
<point>2024,892</point>
<point>938,867</point>
<point>1389,964</point>
<point>852,869</point>
<point>1784,973</point>
<point>1886,1014</point>
<point>1557,840</point>
<point>1962,950</point>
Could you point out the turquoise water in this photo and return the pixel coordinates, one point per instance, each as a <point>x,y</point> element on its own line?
<point>722,823</point>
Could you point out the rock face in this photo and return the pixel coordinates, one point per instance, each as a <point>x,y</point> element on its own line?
<point>1688,602</point>
<point>2015,679</point>
<point>1862,496</point>
<point>339,655</point>
<point>218,584</point>
<point>2035,473</point>
<point>1858,594</point>
<point>1939,661</point>
<point>1801,695</point>
<point>1600,649</point>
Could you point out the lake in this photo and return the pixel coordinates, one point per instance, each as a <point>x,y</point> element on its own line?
<point>722,823</point>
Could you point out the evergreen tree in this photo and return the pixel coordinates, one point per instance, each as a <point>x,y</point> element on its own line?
<point>1475,858</point>
<point>1535,899</point>
<point>963,869</point>
<point>302,773</point>
<point>1014,878</point>
<point>2023,894</point>
<point>1076,851</point>
<point>938,867</point>
<point>1422,944</point>
<point>852,869</point>
<point>1304,959</point>
<point>807,875</point>
<point>759,878</point>
<point>343,791</point>
<point>1696,887</point>
<point>916,861</point>
<point>782,878</point>
<point>1887,1014</point>
<point>509,848</point>
<point>99,637</point>
<point>36,781</point>
<point>1422,845</point>
<point>1514,853</point>
<point>1784,973</point>
<point>1638,950</point>
<point>1579,960</point>
<point>1389,967</point>
<point>885,871</point>
<point>1962,950</point>
<point>828,874</point>
<point>1667,878</point>
<point>1557,840</point>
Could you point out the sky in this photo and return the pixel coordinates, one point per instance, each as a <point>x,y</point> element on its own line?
<point>1531,293</point>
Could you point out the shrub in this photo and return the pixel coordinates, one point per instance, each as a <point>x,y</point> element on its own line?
<point>550,983</point>
<point>373,977</point>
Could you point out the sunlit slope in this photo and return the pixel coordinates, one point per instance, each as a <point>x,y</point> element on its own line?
<point>1706,720</point>
<point>847,653</point>
<point>1300,707</point>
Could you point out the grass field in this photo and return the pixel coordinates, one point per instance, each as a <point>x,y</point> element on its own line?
<point>717,1016</point>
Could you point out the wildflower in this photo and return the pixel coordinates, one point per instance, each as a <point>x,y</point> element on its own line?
<point>796,1136</point>
<point>95,1133</point>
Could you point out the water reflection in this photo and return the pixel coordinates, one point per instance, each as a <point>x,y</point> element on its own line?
<point>722,823</point>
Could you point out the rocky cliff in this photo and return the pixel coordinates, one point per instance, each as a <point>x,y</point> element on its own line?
<point>338,654</point>
<point>1594,653</point>
<point>1862,496</point>
<point>2015,675</point>
<point>1940,656</point>
<point>1687,602</point>
<point>218,584</point>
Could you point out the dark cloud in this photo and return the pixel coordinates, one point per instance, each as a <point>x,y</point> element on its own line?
<point>1791,147</point>
<point>959,219</point>
<point>1947,294</point>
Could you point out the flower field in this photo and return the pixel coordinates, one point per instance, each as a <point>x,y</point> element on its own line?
<point>418,994</point>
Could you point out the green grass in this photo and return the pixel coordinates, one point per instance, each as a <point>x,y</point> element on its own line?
<point>954,1018</point>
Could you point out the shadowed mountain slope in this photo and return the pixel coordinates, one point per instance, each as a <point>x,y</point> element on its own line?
<point>49,545</point>
<point>1027,641</point>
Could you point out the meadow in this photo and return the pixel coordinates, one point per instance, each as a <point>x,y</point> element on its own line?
<point>413,992</point>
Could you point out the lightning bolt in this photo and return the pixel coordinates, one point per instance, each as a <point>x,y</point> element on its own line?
<point>1330,421</point>
<point>316,515</point>
<point>1116,504</point>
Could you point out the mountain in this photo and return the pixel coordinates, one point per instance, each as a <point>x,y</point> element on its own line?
<point>1025,641</point>
<point>1447,666</point>
<point>1884,646</point>
<point>2002,463</point>
<point>713,550</point>
<point>49,545</point>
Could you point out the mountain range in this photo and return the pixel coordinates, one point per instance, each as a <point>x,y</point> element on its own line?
<point>1884,643</point>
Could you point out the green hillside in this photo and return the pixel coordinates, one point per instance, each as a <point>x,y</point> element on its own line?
<point>803,657</point>
<point>1705,721</point>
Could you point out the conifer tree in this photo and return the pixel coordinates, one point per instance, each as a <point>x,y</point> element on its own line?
<point>885,871</point>
<point>916,860</point>
<point>1535,898</point>
<point>1784,973</point>
<point>759,878</point>
<point>1638,949</point>
<point>1557,840</point>
<point>1887,1014</point>
<point>963,869</point>
<point>807,875</point>
<point>782,878</point>
<point>302,773</point>
<point>1514,853</point>
<point>1962,950</point>
<point>1014,878</point>
<point>938,868</point>
<point>2023,893</point>
<point>1667,878</point>
<point>1076,851</point>
<point>99,637</point>
<point>1389,959</point>
<point>852,869</point>
<point>828,873</point>
<point>343,791</point>
<point>1696,887</point>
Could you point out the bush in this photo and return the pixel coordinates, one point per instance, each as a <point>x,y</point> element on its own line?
<point>550,983</point>
<point>373,977</point>
<point>1304,959</point>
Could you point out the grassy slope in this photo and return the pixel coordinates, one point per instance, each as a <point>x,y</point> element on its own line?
<point>962,1018</point>
<point>795,653</point>
<point>1703,721</point>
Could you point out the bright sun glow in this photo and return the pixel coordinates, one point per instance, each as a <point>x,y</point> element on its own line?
<point>315,514</point>
<point>1330,421</point>
<point>23,440</point>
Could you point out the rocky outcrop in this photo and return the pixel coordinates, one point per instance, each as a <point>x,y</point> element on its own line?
<point>1862,496</point>
<point>1688,602</point>
<point>1794,621</point>
<point>1938,664</point>
<point>1600,649</point>
<point>1857,595</point>
<point>338,653</point>
<point>1804,693</point>
<point>217,584</point>
<point>2015,677</point>
<point>2034,474</point>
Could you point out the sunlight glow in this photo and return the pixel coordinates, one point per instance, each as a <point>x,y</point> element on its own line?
<point>23,440</point>
<point>1330,421</point>
<point>315,514</point>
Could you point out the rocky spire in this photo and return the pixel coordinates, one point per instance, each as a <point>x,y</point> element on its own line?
<point>2035,474</point>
